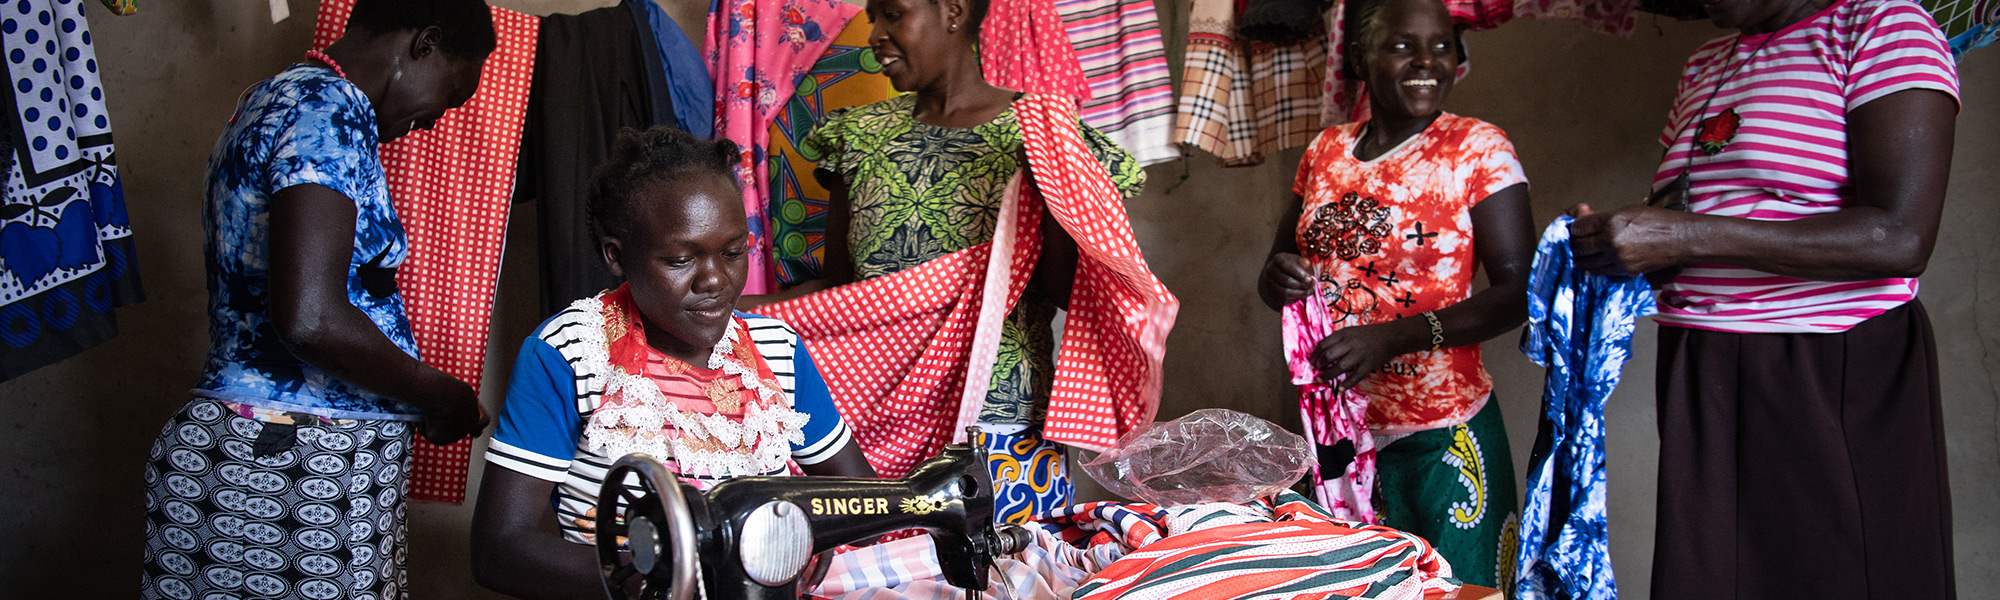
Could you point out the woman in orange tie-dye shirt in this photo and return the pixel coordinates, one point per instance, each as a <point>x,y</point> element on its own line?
<point>1383,223</point>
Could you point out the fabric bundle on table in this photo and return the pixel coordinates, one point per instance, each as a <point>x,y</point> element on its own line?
<point>1131,90</point>
<point>451,187</point>
<point>66,253</point>
<point>603,85</point>
<point>908,355</point>
<point>757,50</point>
<point>846,75</point>
<point>1580,327</point>
<point>1282,547</point>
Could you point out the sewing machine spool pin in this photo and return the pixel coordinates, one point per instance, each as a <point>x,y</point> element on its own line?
<point>753,537</point>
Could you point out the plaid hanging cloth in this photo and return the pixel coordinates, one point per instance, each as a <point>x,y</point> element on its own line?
<point>908,355</point>
<point>451,186</point>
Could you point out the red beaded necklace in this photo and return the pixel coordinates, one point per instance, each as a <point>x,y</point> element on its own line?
<point>322,57</point>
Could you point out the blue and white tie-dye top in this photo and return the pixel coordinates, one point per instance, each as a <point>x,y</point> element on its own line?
<point>306,125</point>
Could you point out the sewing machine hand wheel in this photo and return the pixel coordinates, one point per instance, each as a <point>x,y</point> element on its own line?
<point>659,526</point>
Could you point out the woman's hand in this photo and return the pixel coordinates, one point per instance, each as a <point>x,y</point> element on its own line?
<point>455,413</point>
<point>1629,241</point>
<point>1354,352</point>
<point>1285,279</point>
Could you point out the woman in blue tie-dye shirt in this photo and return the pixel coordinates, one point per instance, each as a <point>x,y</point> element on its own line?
<point>284,476</point>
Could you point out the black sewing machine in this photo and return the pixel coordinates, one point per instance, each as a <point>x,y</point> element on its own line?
<point>753,537</point>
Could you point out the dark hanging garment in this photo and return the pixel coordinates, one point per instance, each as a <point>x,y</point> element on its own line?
<point>656,69</point>
<point>66,252</point>
<point>590,83</point>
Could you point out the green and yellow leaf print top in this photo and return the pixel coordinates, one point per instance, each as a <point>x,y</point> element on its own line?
<point>920,191</point>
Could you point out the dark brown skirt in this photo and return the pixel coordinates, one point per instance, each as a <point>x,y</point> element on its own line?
<point>1803,465</point>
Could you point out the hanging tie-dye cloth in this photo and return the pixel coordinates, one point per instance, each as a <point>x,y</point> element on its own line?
<point>1579,327</point>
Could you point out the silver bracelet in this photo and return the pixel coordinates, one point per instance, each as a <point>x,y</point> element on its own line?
<point>1437,329</point>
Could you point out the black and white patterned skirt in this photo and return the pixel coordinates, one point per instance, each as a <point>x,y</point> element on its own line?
<point>234,511</point>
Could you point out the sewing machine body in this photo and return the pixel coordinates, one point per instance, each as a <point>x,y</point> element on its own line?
<point>752,538</point>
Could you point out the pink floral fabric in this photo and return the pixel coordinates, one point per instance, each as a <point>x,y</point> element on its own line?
<point>757,50</point>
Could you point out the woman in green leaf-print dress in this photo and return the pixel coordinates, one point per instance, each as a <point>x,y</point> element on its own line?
<point>921,175</point>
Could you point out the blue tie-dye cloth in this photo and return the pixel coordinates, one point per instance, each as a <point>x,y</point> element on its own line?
<point>1580,327</point>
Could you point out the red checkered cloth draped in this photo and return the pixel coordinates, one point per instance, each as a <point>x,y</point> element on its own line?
<point>1024,46</point>
<point>896,350</point>
<point>450,186</point>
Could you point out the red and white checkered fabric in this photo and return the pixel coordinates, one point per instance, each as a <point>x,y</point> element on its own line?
<point>451,186</point>
<point>1024,46</point>
<point>895,349</point>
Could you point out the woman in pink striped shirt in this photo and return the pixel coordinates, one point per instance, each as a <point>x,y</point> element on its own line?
<point>1802,451</point>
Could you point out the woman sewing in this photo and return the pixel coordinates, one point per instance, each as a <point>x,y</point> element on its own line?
<point>662,365</point>
<point>1390,219</point>
<point>284,476</point>
<point>922,175</point>
<point>1801,448</point>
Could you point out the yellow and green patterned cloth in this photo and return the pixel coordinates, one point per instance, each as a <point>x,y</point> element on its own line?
<point>920,191</point>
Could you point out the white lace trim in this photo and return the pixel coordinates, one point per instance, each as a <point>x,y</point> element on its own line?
<point>768,430</point>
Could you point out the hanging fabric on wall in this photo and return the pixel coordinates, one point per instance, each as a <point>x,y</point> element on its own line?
<point>574,114</point>
<point>451,187</point>
<point>1614,17</point>
<point>1214,111</point>
<point>1124,61</point>
<point>1580,327</point>
<point>690,87</point>
<point>1286,82</point>
<point>757,50</point>
<point>66,252</point>
<point>1024,46</point>
<point>847,75</point>
<point>1242,100</point>
<point>902,352</point>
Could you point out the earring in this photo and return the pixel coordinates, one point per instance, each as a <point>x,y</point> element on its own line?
<point>954,28</point>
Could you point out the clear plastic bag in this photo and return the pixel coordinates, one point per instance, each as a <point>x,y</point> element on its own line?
<point>1210,455</point>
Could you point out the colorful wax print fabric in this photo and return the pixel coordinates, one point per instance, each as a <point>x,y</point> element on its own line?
<point>846,76</point>
<point>1454,487</point>
<point>757,51</point>
<point>452,187</point>
<point>66,253</point>
<point>239,507</point>
<point>910,355</point>
<point>1131,89</point>
<point>1580,327</point>
<point>1394,236</point>
<point>1030,475</point>
<point>920,191</point>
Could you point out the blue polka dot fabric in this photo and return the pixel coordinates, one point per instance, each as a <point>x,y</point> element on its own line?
<point>65,241</point>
